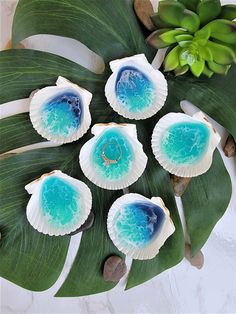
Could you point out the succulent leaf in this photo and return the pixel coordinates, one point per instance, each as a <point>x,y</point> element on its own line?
<point>202,35</point>
<point>185,43</point>
<point>197,68</point>
<point>183,37</point>
<point>208,10</point>
<point>190,4</point>
<point>205,53</point>
<point>158,22</point>
<point>170,36</point>
<point>171,12</point>
<point>172,59</point>
<point>218,68</point>
<point>206,71</point>
<point>228,12</point>
<point>190,21</point>
<point>155,39</point>
<point>180,70</point>
<point>223,30</point>
<point>221,54</point>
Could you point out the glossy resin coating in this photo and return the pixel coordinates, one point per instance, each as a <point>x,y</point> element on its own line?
<point>114,158</point>
<point>184,145</point>
<point>61,113</point>
<point>135,89</point>
<point>59,203</point>
<point>112,154</point>
<point>185,142</point>
<point>139,226</point>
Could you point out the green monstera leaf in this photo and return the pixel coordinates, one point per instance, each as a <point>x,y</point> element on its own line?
<point>109,28</point>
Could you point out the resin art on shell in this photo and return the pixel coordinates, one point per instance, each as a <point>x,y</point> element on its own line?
<point>139,226</point>
<point>59,203</point>
<point>184,145</point>
<point>135,89</point>
<point>61,113</point>
<point>113,159</point>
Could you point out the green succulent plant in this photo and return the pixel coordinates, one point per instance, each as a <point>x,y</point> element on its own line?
<point>200,34</point>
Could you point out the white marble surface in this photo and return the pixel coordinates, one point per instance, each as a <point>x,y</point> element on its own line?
<point>182,289</point>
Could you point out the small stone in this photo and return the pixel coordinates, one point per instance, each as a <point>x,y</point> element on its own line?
<point>88,224</point>
<point>197,260</point>
<point>179,184</point>
<point>230,147</point>
<point>143,10</point>
<point>114,269</point>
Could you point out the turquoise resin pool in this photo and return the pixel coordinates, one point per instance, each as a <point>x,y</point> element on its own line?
<point>114,145</point>
<point>62,114</point>
<point>138,223</point>
<point>134,90</point>
<point>59,201</point>
<point>185,142</point>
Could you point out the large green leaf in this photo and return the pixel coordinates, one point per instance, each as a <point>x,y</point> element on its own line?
<point>108,27</point>
<point>16,131</point>
<point>22,71</point>
<point>202,213</point>
<point>28,258</point>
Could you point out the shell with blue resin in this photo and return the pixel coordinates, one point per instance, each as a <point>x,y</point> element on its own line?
<point>114,158</point>
<point>135,89</point>
<point>184,145</point>
<point>139,226</point>
<point>59,203</point>
<point>61,113</point>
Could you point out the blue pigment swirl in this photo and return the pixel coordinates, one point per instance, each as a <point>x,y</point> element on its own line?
<point>185,142</point>
<point>62,114</point>
<point>59,201</point>
<point>115,146</point>
<point>134,90</point>
<point>138,223</point>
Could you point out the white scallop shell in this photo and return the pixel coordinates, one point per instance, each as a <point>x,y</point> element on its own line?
<point>138,164</point>
<point>45,94</point>
<point>203,164</point>
<point>151,249</point>
<point>40,221</point>
<point>141,63</point>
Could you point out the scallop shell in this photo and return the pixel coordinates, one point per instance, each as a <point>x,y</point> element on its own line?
<point>113,159</point>
<point>61,113</point>
<point>139,226</point>
<point>135,89</point>
<point>184,145</point>
<point>59,203</point>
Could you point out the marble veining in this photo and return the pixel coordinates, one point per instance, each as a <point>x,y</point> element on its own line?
<point>112,154</point>
<point>59,201</point>
<point>62,114</point>
<point>185,142</point>
<point>138,223</point>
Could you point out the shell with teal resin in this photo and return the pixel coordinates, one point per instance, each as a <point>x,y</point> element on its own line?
<point>184,145</point>
<point>61,113</point>
<point>139,226</point>
<point>113,159</point>
<point>59,203</point>
<point>135,89</point>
